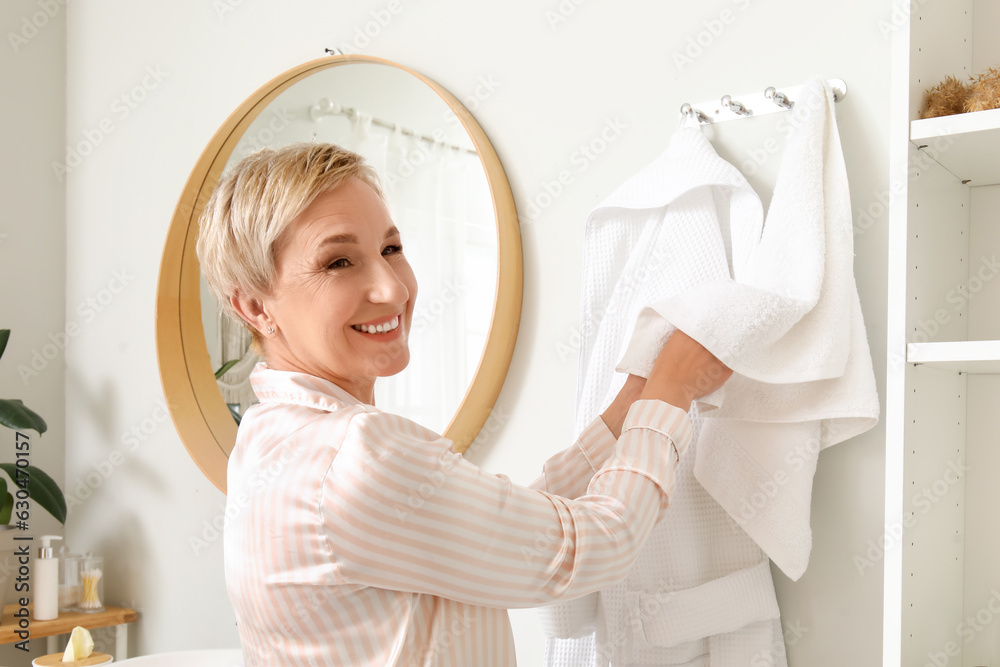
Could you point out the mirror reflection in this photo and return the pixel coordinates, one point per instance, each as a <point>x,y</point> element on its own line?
<point>439,199</point>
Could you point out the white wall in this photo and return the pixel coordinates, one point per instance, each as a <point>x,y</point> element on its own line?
<point>33,239</point>
<point>556,86</point>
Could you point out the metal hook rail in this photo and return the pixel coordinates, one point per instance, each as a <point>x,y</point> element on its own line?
<point>754,104</point>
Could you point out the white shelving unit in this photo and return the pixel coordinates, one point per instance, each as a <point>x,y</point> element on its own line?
<point>942,554</point>
<point>965,144</point>
<point>971,356</point>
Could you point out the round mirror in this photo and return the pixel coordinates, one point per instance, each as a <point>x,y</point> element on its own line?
<point>449,197</point>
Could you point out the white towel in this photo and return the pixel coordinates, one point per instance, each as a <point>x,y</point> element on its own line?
<point>788,322</point>
<point>685,240</point>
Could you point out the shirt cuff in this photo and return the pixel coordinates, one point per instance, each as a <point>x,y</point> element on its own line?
<point>663,418</point>
<point>597,443</point>
<point>654,436</point>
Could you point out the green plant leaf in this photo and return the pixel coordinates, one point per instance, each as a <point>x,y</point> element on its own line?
<point>43,490</point>
<point>225,367</point>
<point>14,414</point>
<point>6,508</point>
<point>4,335</point>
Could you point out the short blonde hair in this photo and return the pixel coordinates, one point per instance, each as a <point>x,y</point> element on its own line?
<point>252,206</point>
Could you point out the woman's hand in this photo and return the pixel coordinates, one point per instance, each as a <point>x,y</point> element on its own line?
<point>614,416</point>
<point>683,372</point>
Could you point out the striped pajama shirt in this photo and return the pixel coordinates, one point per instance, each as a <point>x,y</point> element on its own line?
<point>357,537</point>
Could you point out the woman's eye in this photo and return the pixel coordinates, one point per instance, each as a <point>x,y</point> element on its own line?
<point>341,263</point>
<point>392,250</point>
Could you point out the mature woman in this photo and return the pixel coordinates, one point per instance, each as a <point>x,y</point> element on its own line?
<point>357,537</point>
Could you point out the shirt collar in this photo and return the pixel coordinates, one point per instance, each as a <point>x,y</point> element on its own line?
<point>274,386</point>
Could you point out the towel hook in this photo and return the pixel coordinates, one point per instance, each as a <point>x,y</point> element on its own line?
<point>839,88</point>
<point>734,106</point>
<point>778,98</point>
<point>689,110</point>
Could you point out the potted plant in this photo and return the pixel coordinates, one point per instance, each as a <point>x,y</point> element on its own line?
<point>41,488</point>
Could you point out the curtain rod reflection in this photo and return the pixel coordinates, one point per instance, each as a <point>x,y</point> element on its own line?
<point>324,107</point>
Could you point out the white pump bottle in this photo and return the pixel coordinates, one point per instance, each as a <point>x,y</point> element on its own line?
<point>46,581</point>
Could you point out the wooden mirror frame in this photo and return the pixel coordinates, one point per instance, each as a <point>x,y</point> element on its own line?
<point>202,419</point>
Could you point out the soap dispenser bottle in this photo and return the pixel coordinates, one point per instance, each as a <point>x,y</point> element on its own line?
<point>46,581</point>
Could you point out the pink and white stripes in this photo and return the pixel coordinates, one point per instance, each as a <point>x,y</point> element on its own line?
<point>357,537</point>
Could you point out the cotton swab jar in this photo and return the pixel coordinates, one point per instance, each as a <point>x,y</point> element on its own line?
<point>91,584</point>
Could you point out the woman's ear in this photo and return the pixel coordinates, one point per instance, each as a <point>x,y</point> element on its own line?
<point>251,309</point>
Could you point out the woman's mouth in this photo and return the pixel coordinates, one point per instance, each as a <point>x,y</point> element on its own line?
<point>384,327</point>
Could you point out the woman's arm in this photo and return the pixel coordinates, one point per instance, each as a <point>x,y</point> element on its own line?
<point>568,472</point>
<point>402,511</point>
<point>614,416</point>
<point>572,469</point>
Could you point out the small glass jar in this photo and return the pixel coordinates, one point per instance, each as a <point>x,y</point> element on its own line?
<point>69,581</point>
<point>91,584</point>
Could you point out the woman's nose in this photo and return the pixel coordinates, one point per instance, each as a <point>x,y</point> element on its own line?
<point>386,285</point>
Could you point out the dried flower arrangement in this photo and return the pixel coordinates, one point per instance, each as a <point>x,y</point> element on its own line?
<point>985,92</point>
<point>953,96</point>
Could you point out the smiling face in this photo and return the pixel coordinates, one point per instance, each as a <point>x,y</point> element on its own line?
<point>342,300</point>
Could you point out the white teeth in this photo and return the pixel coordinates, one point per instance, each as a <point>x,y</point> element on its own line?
<point>378,328</point>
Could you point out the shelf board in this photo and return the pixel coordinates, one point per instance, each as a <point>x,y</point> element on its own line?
<point>64,623</point>
<point>971,356</point>
<point>966,144</point>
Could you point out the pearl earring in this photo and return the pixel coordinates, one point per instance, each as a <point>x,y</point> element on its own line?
<point>270,330</point>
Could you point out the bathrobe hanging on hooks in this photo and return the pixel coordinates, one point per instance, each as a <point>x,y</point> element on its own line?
<point>684,243</point>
